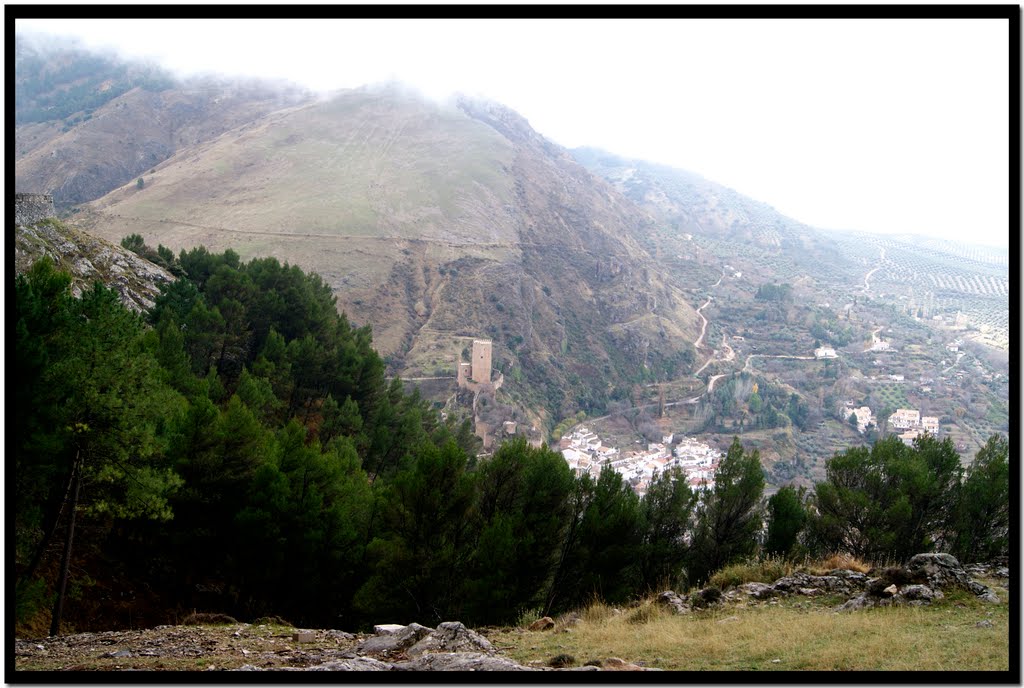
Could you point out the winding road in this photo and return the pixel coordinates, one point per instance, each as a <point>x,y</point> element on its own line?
<point>872,271</point>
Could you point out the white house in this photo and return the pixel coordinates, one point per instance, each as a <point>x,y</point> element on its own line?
<point>905,419</point>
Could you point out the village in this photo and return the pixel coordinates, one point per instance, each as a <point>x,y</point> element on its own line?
<point>585,454</point>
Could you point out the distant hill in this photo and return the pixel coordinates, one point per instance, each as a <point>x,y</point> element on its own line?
<point>432,222</point>
<point>86,123</point>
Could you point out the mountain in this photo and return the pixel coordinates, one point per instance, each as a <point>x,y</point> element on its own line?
<point>434,223</point>
<point>86,123</point>
<point>919,274</point>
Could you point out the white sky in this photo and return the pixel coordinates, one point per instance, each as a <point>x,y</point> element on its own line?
<point>896,125</point>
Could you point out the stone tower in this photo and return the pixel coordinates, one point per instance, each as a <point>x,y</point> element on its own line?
<point>463,371</point>
<point>30,208</point>
<point>481,360</point>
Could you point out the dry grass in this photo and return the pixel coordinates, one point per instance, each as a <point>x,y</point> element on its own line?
<point>792,635</point>
<point>834,561</point>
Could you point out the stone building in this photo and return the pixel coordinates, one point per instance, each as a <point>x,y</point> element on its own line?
<point>30,208</point>
<point>481,360</point>
<point>463,372</point>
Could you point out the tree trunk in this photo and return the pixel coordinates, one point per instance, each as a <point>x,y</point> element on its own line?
<point>65,561</point>
<point>54,520</point>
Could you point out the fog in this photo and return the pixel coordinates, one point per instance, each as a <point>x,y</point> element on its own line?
<point>897,126</point>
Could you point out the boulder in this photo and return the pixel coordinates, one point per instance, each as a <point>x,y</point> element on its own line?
<point>940,570</point>
<point>394,641</point>
<point>921,592</point>
<point>542,624</point>
<point>673,602</point>
<point>759,591</point>
<point>865,601</point>
<point>451,636</point>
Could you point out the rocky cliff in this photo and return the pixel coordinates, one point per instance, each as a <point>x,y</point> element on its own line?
<point>88,259</point>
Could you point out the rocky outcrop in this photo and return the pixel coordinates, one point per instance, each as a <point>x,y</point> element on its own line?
<point>452,636</point>
<point>921,581</point>
<point>89,259</point>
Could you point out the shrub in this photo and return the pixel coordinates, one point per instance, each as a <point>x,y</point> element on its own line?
<point>596,612</point>
<point>528,616</point>
<point>766,570</point>
<point>645,613</point>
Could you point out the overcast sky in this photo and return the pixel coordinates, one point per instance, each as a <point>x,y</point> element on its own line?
<point>897,125</point>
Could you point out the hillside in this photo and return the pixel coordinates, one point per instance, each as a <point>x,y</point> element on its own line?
<point>86,123</point>
<point>432,222</point>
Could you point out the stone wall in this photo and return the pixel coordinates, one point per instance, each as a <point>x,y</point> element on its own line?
<point>30,208</point>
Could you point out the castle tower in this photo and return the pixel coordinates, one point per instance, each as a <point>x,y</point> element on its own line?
<point>30,208</point>
<point>463,372</point>
<point>481,360</point>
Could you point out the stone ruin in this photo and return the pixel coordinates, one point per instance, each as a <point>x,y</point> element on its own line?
<point>32,208</point>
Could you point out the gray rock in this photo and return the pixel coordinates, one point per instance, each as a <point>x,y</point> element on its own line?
<point>338,635</point>
<point>984,623</point>
<point>989,596</point>
<point>120,654</point>
<point>939,569</point>
<point>354,664</point>
<point>861,601</point>
<point>459,661</point>
<point>921,592</point>
<point>673,602</point>
<point>396,641</point>
<point>451,636</point>
<point>801,583</point>
<point>759,591</point>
